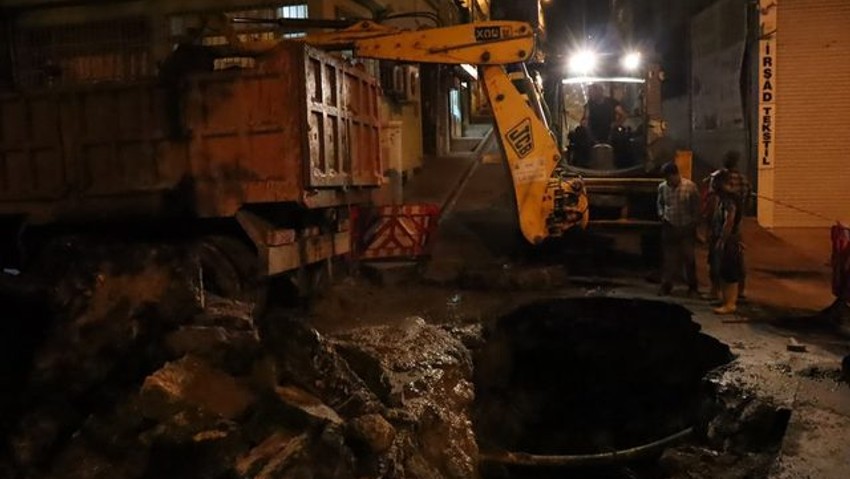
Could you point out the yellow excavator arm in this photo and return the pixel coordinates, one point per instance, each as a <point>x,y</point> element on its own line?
<point>547,204</point>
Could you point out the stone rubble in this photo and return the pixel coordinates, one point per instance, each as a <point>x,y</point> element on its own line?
<point>147,378</point>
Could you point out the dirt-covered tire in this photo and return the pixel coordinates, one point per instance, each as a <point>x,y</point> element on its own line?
<point>228,267</point>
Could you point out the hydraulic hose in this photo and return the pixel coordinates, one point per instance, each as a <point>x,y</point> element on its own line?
<point>583,460</point>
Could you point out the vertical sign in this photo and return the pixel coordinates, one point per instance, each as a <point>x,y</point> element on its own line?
<point>767,84</point>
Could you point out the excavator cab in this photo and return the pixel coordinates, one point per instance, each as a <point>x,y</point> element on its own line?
<point>624,145</point>
<point>620,156</point>
<point>623,81</point>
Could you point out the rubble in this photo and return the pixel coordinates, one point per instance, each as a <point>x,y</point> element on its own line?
<point>737,417</point>
<point>233,351</point>
<point>308,406</point>
<point>107,312</point>
<point>373,430</point>
<point>305,358</point>
<point>423,375</point>
<point>191,384</point>
<point>740,426</point>
<point>135,379</point>
<point>272,456</point>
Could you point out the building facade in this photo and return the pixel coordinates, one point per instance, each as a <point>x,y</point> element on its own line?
<point>803,75</point>
<point>766,78</point>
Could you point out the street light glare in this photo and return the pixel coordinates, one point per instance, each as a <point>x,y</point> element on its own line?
<point>631,61</point>
<point>583,62</point>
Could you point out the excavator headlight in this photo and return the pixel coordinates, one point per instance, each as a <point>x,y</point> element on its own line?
<point>631,61</point>
<point>583,62</point>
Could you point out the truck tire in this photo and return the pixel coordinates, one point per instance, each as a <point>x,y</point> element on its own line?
<point>228,267</point>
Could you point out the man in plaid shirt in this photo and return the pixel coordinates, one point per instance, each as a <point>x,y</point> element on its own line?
<point>679,210</point>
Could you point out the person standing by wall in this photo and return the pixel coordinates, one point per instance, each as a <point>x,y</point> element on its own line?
<point>679,209</point>
<point>740,186</point>
<point>737,184</point>
<point>726,255</point>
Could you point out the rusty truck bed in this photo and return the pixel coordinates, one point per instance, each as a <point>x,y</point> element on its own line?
<point>301,126</point>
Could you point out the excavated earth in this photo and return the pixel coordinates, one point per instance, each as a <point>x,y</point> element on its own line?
<point>120,366</point>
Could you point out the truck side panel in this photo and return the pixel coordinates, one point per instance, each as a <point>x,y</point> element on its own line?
<point>301,126</point>
<point>343,124</point>
<point>115,139</point>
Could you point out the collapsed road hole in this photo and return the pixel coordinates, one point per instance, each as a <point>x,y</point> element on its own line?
<point>588,376</point>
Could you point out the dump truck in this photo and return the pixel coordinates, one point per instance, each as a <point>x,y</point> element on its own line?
<point>268,158</point>
<point>264,158</point>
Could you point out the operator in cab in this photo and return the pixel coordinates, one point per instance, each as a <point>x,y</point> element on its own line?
<point>602,115</point>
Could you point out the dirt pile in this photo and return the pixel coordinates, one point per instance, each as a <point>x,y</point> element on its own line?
<point>422,375</point>
<point>98,325</point>
<point>140,375</point>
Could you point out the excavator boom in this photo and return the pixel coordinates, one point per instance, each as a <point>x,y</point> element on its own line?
<point>484,43</point>
<point>547,204</point>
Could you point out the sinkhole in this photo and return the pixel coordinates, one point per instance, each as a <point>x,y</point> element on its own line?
<point>588,377</point>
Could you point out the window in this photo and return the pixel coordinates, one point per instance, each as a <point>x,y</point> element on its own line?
<point>248,32</point>
<point>293,11</point>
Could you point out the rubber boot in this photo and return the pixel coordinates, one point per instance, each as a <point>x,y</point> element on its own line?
<point>730,299</point>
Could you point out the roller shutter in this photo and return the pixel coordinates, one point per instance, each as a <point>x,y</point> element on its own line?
<point>813,104</point>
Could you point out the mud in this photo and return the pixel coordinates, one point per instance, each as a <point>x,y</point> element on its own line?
<point>135,373</point>
<point>422,374</point>
<point>126,368</point>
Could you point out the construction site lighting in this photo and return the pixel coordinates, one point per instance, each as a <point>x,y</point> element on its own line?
<point>631,61</point>
<point>583,62</point>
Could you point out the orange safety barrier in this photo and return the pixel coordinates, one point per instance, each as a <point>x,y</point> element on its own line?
<point>394,231</point>
<point>841,262</point>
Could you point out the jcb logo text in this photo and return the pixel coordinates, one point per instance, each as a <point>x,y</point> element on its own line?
<point>520,138</point>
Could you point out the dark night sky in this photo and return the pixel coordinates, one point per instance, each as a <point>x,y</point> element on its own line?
<point>567,20</point>
<point>661,24</point>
